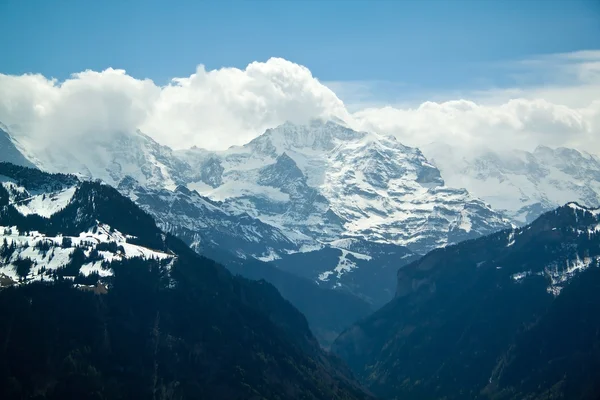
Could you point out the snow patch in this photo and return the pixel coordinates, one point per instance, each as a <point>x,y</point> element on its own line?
<point>344,264</point>
<point>270,256</point>
<point>47,252</point>
<point>95,267</point>
<point>511,239</point>
<point>561,275</point>
<point>325,276</point>
<point>577,207</point>
<point>45,205</point>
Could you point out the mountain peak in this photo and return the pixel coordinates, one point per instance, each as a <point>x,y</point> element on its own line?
<point>316,135</point>
<point>524,184</point>
<point>317,122</point>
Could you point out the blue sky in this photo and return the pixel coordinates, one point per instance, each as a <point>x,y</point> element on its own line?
<point>507,72</point>
<point>423,45</point>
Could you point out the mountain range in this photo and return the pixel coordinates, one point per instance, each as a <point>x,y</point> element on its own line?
<point>294,189</point>
<point>325,182</point>
<point>449,274</point>
<point>360,203</point>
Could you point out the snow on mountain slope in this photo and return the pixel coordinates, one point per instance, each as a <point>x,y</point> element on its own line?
<point>571,257</point>
<point>205,224</point>
<point>44,204</point>
<point>295,196</point>
<point>152,175</point>
<point>42,197</point>
<point>327,181</point>
<point>32,256</point>
<point>93,234</point>
<point>49,230</point>
<point>525,184</point>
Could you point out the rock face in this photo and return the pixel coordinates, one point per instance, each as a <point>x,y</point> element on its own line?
<point>98,302</point>
<point>511,315</point>
<point>211,172</point>
<point>523,184</point>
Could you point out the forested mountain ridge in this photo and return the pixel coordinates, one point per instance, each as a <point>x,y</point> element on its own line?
<point>513,315</point>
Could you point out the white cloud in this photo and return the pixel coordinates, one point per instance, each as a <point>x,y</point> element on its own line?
<point>215,109</point>
<point>212,109</point>
<point>231,106</point>
<point>519,123</point>
<point>91,104</point>
<point>562,108</point>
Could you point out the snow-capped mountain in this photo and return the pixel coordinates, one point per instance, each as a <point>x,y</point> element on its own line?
<point>154,177</point>
<point>524,184</point>
<point>328,182</point>
<point>315,183</point>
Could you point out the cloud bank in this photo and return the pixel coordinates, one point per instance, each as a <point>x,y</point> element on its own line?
<point>218,108</point>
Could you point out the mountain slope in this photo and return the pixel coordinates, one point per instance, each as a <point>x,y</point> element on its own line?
<point>204,224</point>
<point>329,312</point>
<point>315,182</point>
<point>161,321</point>
<point>111,156</point>
<point>154,177</point>
<point>525,184</point>
<point>323,184</point>
<point>9,151</point>
<point>365,269</point>
<point>211,231</point>
<point>512,315</point>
